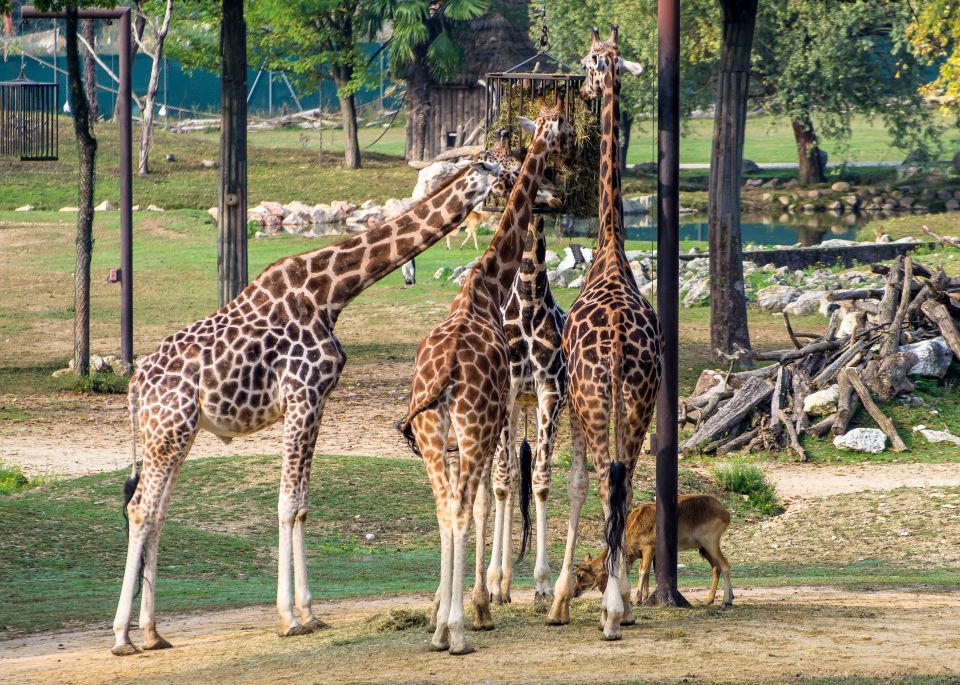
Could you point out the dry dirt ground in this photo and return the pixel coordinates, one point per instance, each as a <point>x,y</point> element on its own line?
<point>772,635</point>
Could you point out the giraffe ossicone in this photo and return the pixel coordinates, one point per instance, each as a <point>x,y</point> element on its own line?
<point>269,354</point>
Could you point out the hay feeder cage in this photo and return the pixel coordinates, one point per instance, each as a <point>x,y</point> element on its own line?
<point>517,92</point>
<point>28,119</point>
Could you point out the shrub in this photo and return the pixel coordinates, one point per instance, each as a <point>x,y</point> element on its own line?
<point>12,479</point>
<point>750,482</point>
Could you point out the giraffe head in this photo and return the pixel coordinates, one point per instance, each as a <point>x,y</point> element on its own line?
<point>552,127</point>
<point>604,62</point>
<point>509,163</point>
<point>479,179</point>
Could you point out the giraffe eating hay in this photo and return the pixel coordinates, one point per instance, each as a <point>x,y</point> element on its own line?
<point>612,342</point>
<point>461,382</point>
<point>270,354</point>
<point>533,324</point>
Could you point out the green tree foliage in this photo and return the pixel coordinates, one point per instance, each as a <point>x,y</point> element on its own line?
<point>819,62</point>
<point>934,33</point>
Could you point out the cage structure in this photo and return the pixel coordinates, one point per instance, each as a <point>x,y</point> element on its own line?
<point>518,92</point>
<point>28,119</point>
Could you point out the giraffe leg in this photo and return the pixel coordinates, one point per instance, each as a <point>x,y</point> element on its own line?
<point>548,414</point>
<point>577,493</point>
<point>300,427</point>
<point>145,513</point>
<point>441,635</point>
<point>504,479</point>
<point>482,620</point>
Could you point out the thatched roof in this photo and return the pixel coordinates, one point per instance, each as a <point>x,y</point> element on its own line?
<point>495,42</point>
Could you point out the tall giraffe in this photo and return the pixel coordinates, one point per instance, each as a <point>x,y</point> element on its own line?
<point>533,323</point>
<point>612,342</point>
<point>270,354</point>
<point>461,382</point>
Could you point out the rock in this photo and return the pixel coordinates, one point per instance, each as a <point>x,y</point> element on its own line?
<point>297,207</point>
<point>169,157</point>
<point>847,325</point>
<point>296,220</point>
<point>576,282</point>
<point>934,357</point>
<point>709,381</point>
<point>341,210</point>
<point>753,182</point>
<point>698,293</point>
<point>650,289</point>
<point>642,204</point>
<point>750,167</point>
<point>840,186</point>
<point>442,273</point>
<point>850,200</point>
<point>208,164</point>
<point>808,303</point>
<point>814,194</point>
<point>937,436</point>
<point>952,205</point>
<point>25,208</point>
<point>872,440</point>
<point>647,168</point>
<point>885,238</point>
<point>99,365</point>
<point>774,298</point>
<point>549,257</point>
<point>154,208</point>
<point>838,242</point>
<point>135,208</point>
<point>274,208</point>
<point>907,239</point>
<point>822,402</point>
<point>575,255</point>
<point>835,206</point>
<point>394,207</point>
<point>68,209</point>
<point>321,214</point>
<point>562,278</point>
<point>432,177</point>
<point>784,200</point>
<point>215,213</point>
<point>61,372</point>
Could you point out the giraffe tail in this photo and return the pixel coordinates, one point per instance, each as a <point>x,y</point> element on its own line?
<point>618,476</point>
<point>526,494</point>
<point>406,430</point>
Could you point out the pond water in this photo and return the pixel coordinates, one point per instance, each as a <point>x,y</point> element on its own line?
<point>786,229</point>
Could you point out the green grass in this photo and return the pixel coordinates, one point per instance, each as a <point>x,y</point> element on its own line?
<point>750,482</point>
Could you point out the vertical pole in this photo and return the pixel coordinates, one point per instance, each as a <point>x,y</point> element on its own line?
<point>668,278</point>
<point>232,234</point>
<point>126,195</point>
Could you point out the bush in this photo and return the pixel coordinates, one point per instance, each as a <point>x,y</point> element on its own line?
<point>750,482</point>
<point>12,480</point>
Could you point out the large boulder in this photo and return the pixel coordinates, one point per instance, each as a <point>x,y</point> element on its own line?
<point>807,304</point>
<point>933,436</point>
<point>394,207</point>
<point>822,402</point>
<point>698,293</point>
<point>322,214</point>
<point>872,440</point>
<point>774,298</point>
<point>934,357</point>
<point>562,278</point>
<point>432,177</point>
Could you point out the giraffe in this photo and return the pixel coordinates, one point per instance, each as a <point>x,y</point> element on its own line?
<point>269,354</point>
<point>533,323</point>
<point>612,342</point>
<point>461,382</point>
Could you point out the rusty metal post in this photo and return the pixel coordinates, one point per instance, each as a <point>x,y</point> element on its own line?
<point>668,279</point>
<point>126,193</point>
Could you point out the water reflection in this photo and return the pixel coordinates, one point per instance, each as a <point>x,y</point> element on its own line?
<point>759,229</point>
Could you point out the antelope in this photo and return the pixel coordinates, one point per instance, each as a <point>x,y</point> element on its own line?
<point>702,519</point>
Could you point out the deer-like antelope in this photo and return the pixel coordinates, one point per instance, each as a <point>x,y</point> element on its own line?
<point>701,522</point>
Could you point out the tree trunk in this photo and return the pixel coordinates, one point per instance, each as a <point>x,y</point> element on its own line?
<point>808,152</point>
<point>419,109</point>
<point>728,300</point>
<point>90,71</point>
<point>626,124</point>
<point>351,145</point>
<point>146,126</point>
<point>139,23</point>
<point>232,236</point>
<point>87,153</point>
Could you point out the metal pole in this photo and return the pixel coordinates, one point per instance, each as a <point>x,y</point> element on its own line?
<point>126,195</point>
<point>668,279</point>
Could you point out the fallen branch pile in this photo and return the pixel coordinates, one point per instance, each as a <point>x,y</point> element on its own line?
<point>856,359</point>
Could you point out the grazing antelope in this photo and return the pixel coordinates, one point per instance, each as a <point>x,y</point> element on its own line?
<point>701,522</point>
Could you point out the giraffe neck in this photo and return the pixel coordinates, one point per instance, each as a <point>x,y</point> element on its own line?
<point>610,233</point>
<point>337,274</point>
<point>531,283</point>
<point>494,272</point>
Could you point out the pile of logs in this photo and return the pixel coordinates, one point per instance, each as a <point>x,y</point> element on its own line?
<point>763,409</point>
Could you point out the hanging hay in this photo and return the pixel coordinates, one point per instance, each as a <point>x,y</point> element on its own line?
<point>576,178</point>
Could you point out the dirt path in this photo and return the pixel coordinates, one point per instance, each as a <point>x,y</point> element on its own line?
<point>773,635</point>
<point>808,481</point>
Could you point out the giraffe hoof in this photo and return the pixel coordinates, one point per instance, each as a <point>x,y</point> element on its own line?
<point>611,637</point>
<point>465,649</point>
<point>551,621</point>
<point>484,625</point>
<point>442,647</point>
<point>315,624</point>
<point>159,643</point>
<point>294,630</point>
<point>543,597</point>
<point>126,649</point>
<point>498,599</point>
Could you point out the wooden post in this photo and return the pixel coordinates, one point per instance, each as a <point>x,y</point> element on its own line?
<point>232,235</point>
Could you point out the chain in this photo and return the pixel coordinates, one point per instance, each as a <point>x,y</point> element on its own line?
<point>544,33</point>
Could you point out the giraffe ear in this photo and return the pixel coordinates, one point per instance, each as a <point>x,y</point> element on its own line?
<point>633,67</point>
<point>486,167</point>
<point>528,125</point>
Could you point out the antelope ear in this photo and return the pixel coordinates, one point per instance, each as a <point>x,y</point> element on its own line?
<point>633,67</point>
<point>528,125</point>
<point>587,558</point>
